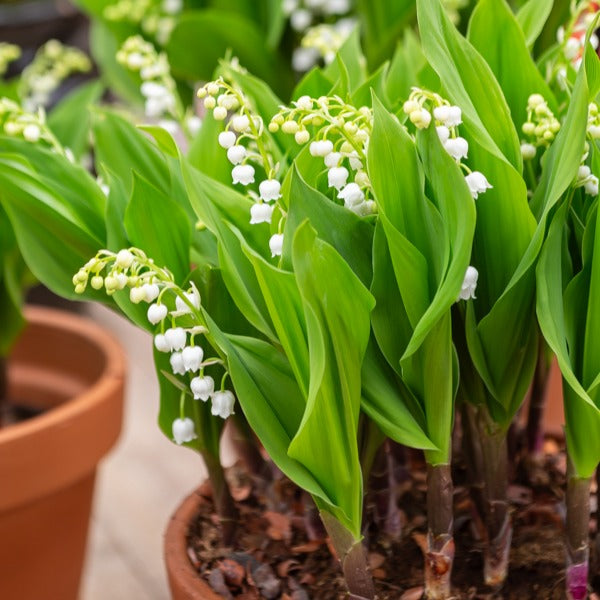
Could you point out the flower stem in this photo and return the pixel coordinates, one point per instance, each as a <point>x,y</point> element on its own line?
<point>537,401</point>
<point>577,534</point>
<point>3,386</point>
<point>439,553</point>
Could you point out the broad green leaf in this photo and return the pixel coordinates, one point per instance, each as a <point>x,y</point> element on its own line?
<point>495,33</point>
<point>314,84</point>
<point>336,349</point>
<point>350,54</point>
<point>72,132</point>
<point>206,155</point>
<point>468,82</point>
<point>407,61</point>
<point>157,225</point>
<point>532,17</point>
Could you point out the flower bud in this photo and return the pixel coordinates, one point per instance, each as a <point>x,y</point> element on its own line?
<point>209,102</point>
<point>227,139</point>
<point>290,127</point>
<point>332,160</point>
<point>202,387</point>
<point>321,148</point>
<point>212,88</point>
<point>528,151</point>
<point>183,430</point>
<point>151,291</point>
<point>124,259</point>
<point>156,313</point>
<point>240,123</point>
<point>97,282</point>
<point>351,194</point>
<point>32,132</point>
<point>469,284</point>
<point>302,136</point>
<point>220,113</point>
<point>591,186</point>
<point>410,106</point>
<point>304,103</point>
<point>276,244</point>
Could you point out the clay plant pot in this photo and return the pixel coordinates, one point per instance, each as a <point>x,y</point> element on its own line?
<point>184,581</point>
<point>75,371</point>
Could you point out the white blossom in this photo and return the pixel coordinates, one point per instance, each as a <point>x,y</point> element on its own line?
<point>332,160</point>
<point>202,387</point>
<point>236,154</point>
<point>269,189</point>
<point>528,151</point>
<point>176,360</point>
<point>136,294</point>
<point>183,430</point>
<point>151,291</point>
<point>261,212</point>
<point>176,338</point>
<point>477,182</point>
<point>161,344</point>
<point>304,103</point>
<point>355,162</point>
<point>243,174</point>
<point>193,297</point>
<point>194,123</point>
<point>351,194</point>
<point>222,404</point>
<point>457,147</point>
<point>123,259</point>
<point>337,177</point>
<point>276,244</point>
<point>32,132</point>
<point>321,148</point>
<point>172,7</point>
<point>240,123</point>
<point>304,58</point>
<point>443,133</point>
<point>467,290</point>
<point>591,185</point>
<point>300,19</point>
<point>227,139</point>
<point>420,117</point>
<point>192,356</point>
<point>156,313</point>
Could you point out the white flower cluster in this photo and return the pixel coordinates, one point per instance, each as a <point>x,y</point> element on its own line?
<point>52,64</point>
<point>245,141</point>
<point>341,139</point>
<point>156,18</point>
<point>8,54</point>
<point>541,126</point>
<point>446,118</point>
<point>17,122</point>
<point>132,269</point>
<point>158,87</point>
<point>322,37</point>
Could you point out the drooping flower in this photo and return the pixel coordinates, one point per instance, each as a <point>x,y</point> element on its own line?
<point>192,357</point>
<point>528,151</point>
<point>337,177</point>
<point>351,194</point>
<point>236,154</point>
<point>176,360</point>
<point>193,297</point>
<point>261,212</point>
<point>156,313</point>
<point>321,148</point>
<point>269,189</point>
<point>276,244</point>
<point>591,185</point>
<point>478,184</point>
<point>183,430</point>
<point>443,133</point>
<point>222,404</point>
<point>227,139</point>
<point>161,344</point>
<point>202,387</point>
<point>457,147</point>
<point>151,291</point>
<point>176,338</point>
<point>469,285</point>
<point>243,174</point>
<point>332,160</point>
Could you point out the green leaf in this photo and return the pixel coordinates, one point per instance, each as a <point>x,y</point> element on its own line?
<point>72,132</point>
<point>336,349</point>
<point>469,83</point>
<point>532,17</point>
<point>403,74</point>
<point>350,55</point>
<point>314,84</point>
<point>158,226</point>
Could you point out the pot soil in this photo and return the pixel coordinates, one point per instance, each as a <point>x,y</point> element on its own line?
<point>276,559</point>
<point>73,371</point>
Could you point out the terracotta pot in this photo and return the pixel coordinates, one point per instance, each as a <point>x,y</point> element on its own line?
<point>74,369</point>
<point>184,581</point>
<point>554,416</point>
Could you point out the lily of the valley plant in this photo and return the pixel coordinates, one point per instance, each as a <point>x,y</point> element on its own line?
<point>354,265</point>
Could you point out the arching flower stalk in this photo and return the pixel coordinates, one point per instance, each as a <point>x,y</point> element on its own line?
<point>340,135</point>
<point>248,146</point>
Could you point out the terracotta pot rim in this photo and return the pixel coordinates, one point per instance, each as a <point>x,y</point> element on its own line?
<point>107,382</point>
<point>64,444</point>
<point>184,580</point>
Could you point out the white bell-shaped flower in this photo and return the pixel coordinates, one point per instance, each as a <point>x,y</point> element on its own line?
<point>276,244</point>
<point>591,185</point>
<point>176,338</point>
<point>202,387</point>
<point>156,313</point>
<point>333,159</point>
<point>469,285</point>
<point>193,297</point>
<point>192,357</point>
<point>355,162</point>
<point>528,151</point>
<point>269,189</point>
<point>261,213</point>
<point>351,194</point>
<point>454,116</point>
<point>227,139</point>
<point>240,123</point>
<point>594,131</point>
<point>337,177</point>
<point>176,360</point>
<point>151,291</point>
<point>443,133</point>
<point>583,172</point>
<point>457,148</point>
<point>304,103</point>
<point>236,154</point>
<point>321,148</point>
<point>32,132</point>
<point>152,89</point>
<point>136,294</point>
<point>441,113</point>
<point>183,430</point>
<point>243,174</point>
<point>161,344</point>
<point>222,404</point>
<point>477,182</point>
<point>124,259</point>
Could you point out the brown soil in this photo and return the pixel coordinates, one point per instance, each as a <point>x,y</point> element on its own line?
<point>275,557</point>
<point>11,413</point>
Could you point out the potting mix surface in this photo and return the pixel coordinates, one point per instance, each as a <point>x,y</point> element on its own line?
<point>276,557</point>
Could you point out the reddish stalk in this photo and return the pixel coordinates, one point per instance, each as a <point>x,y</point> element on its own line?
<point>537,402</point>
<point>577,534</point>
<point>3,387</point>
